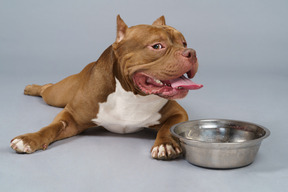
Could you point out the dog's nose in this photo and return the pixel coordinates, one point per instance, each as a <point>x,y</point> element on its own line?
<point>189,53</point>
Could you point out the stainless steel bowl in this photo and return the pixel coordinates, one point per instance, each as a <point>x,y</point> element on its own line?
<point>220,143</point>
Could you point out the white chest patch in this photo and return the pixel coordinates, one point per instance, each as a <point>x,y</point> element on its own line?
<point>125,112</point>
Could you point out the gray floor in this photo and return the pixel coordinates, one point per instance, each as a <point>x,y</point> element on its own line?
<point>242,48</point>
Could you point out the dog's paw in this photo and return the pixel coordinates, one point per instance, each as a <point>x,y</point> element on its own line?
<point>166,152</point>
<point>27,89</point>
<point>20,146</point>
<point>33,90</point>
<point>27,143</point>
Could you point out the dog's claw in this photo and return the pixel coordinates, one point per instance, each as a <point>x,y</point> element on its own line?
<point>45,146</point>
<point>164,152</point>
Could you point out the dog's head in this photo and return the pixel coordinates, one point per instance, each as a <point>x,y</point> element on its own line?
<point>154,59</point>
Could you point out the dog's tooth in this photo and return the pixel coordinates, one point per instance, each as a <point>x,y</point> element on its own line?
<point>180,87</point>
<point>158,81</point>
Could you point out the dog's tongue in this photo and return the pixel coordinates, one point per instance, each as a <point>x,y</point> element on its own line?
<point>183,82</point>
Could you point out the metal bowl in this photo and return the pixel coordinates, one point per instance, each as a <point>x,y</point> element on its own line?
<point>220,143</point>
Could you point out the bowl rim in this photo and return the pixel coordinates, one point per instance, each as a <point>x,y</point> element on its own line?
<point>219,144</point>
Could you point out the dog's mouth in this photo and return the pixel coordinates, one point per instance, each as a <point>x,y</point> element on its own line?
<point>171,89</point>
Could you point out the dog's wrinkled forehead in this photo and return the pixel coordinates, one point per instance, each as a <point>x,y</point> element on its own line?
<point>149,34</point>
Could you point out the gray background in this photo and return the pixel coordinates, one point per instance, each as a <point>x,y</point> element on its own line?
<point>242,49</point>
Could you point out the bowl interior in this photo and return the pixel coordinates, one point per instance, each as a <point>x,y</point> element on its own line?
<point>219,131</point>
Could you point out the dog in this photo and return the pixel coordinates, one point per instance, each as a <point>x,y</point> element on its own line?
<point>133,85</point>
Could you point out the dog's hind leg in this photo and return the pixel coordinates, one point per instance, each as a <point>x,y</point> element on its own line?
<point>61,93</point>
<point>58,94</point>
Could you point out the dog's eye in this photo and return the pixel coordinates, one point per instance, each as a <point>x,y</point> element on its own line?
<point>157,46</point>
<point>185,44</point>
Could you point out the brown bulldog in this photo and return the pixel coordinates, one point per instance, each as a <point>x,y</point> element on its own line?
<point>132,85</point>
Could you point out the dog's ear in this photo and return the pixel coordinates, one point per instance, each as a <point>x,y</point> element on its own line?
<point>121,29</point>
<point>160,21</point>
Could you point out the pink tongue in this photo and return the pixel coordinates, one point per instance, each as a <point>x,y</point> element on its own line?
<point>185,83</point>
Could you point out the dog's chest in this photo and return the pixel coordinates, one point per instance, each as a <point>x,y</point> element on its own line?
<point>125,112</point>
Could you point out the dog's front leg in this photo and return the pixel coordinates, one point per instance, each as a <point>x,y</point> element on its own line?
<point>166,146</point>
<point>62,127</point>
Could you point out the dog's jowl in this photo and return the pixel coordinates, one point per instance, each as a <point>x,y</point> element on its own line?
<point>132,85</point>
